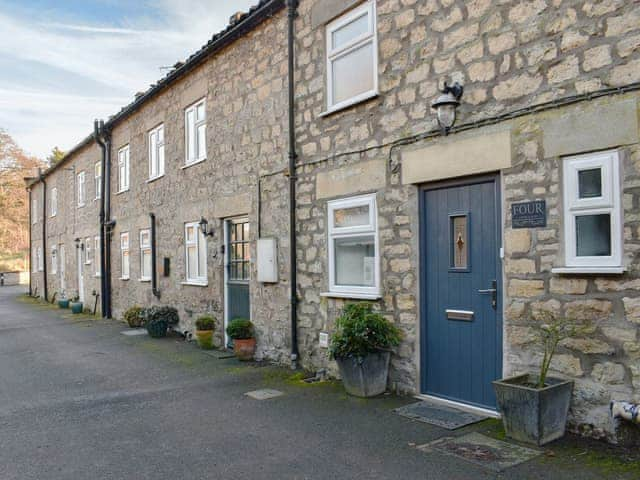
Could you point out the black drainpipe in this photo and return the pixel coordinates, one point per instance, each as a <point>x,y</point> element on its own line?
<point>44,235</point>
<point>293,5</point>
<point>109,224</point>
<point>154,281</point>
<point>97,131</point>
<point>30,245</point>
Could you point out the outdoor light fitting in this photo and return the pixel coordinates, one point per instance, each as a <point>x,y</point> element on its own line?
<point>204,227</point>
<point>446,104</point>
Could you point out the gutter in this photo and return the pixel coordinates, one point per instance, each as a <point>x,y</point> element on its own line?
<point>44,234</point>
<point>292,13</point>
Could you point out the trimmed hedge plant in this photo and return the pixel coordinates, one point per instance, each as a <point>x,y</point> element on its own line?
<point>205,322</point>
<point>158,319</point>
<point>240,329</point>
<point>133,317</point>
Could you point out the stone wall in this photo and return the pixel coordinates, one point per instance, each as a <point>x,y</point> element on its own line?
<point>246,108</point>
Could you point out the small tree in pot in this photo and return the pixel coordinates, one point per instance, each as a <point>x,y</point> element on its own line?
<point>361,347</point>
<point>158,319</point>
<point>133,317</point>
<point>205,325</point>
<point>244,343</point>
<point>534,408</point>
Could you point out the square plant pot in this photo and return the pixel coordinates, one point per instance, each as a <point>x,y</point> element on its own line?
<point>532,415</point>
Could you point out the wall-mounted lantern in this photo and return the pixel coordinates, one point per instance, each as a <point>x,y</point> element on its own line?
<point>78,244</point>
<point>446,104</point>
<point>204,227</point>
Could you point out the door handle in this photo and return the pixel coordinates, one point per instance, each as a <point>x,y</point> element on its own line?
<point>493,291</point>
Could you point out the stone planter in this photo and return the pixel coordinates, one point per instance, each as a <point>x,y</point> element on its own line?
<point>532,415</point>
<point>76,308</point>
<point>157,329</point>
<point>63,303</point>
<point>205,339</point>
<point>365,376</point>
<point>244,348</point>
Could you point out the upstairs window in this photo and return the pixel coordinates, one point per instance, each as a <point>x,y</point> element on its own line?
<point>196,254</point>
<point>156,152</point>
<point>123,169</point>
<point>54,201</point>
<point>97,176</point>
<point>124,256</point>
<point>145,255</point>
<point>82,191</point>
<point>195,124</point>
<point>592,210</point>
<point>353,247</point>
<point>352,57</point>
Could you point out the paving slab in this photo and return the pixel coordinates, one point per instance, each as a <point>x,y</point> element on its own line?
<point>264,394</point>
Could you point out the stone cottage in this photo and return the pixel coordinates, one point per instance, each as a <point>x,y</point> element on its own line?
<point>464,234</point>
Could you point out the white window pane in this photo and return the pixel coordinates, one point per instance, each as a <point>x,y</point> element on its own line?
<point>202,142</point>
<point>353,73</point>
<point>355,261</point>
<point>590,183</point>
<point>351,217</point>
<point>191,137</point>
<point>125,264</point>
<point>192,262</point>
<point>190,234</point>
<point>202,257</point>
<point>593,235</point>
<point>350,31</point>
<point>200,113</point>
<point>146,264</point>
<point>161,160</point>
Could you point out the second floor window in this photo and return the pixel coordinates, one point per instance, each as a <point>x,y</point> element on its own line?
<point>156,152</point>
<point>98,179</point>
<point>82,191</point>
<point>123,169</point>
<point>195,133</point>
<point>145,255</point>
<point>352,57</point>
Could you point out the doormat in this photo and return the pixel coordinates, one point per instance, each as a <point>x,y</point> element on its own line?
<point>220,354</point>
<point>439,415</point>
<point>482,450</point>
<point>134,332</point>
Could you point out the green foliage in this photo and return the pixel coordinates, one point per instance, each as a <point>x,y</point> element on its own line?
<point>240,329</point>
<point>55,156</point>
<point>133,316</point>
<point>549,333</point>
<point>205,322</point>
<point>156,314</point>
<point>360,331</point>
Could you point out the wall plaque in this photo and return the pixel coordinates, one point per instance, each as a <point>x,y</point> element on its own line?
<point>529,214</point>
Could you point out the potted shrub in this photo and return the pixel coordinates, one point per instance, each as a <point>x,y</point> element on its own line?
<point>63,302</point>
<point>534,408</point>
<point>158,319</point>
<point>133,317</point>
<point>361,347</point>
<point>76,304</point>
<point>205,325</point>
<point>244,343</point>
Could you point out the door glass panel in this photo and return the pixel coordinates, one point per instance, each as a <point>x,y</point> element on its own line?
<point>459,242</point>
<point>590,183</point>
<point>353,73</point>
<point>239,252</point>
<point>593,235</point>
<point>354,261</point>
<point>350,31</point>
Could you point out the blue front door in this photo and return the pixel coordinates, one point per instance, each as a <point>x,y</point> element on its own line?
<point>461,340</point>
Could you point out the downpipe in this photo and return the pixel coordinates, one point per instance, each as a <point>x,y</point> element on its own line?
<point>45,286</point>
<point>154,273</point>
<point>98,128</point>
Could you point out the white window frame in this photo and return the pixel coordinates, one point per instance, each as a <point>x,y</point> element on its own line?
<point>34,211</point>
<point>200,243</point>
<point>123,169</point>
<point>54,260</point>
<point>371,36</point>
<point>125,248</point>
<point>82,189</point>
<point>191,157</point>
<point>345,232</point>
<point>144,248</point>
<point>54,201</point>
<point>156,156</point>
<point>97,179</point>
<point>34,260</point>
<point>40,259</point>
<point>97,256</point>
<point>609,203</point>
<point>87,250</point>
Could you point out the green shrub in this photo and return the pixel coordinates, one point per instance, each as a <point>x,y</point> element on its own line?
<point>157,314</point>
<point>240,329</point>
<point>133,317</point>
<point>205,322</point>
<point>360,331</point>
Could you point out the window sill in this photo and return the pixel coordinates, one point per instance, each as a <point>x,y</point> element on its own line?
<point>589,270</point>
<point>355,296</point>
<point>124,279</point>
<point>97,275</point>
<point>195,284</point>
<point>196,162</point>
<point>151,180</point>
<point>350,103</point>
<point>122,191</point>
<point>144,280</point>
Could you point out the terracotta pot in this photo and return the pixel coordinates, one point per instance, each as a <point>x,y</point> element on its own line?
<point>205,339</point>
<point>244,348</point>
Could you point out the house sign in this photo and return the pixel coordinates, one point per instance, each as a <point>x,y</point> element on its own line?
<point>529,214</point>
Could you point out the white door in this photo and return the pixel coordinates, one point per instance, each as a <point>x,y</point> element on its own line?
<point>62,268</point>
<point>80,276</point>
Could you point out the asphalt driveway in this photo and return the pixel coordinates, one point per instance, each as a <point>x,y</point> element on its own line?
<point>78,400</point>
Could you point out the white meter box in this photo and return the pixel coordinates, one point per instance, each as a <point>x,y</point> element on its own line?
<point>267,260</point>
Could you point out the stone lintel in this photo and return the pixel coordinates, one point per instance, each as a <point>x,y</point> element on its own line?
<point>361,177</point>
<point>327,10</point>
<point>232,206</point>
